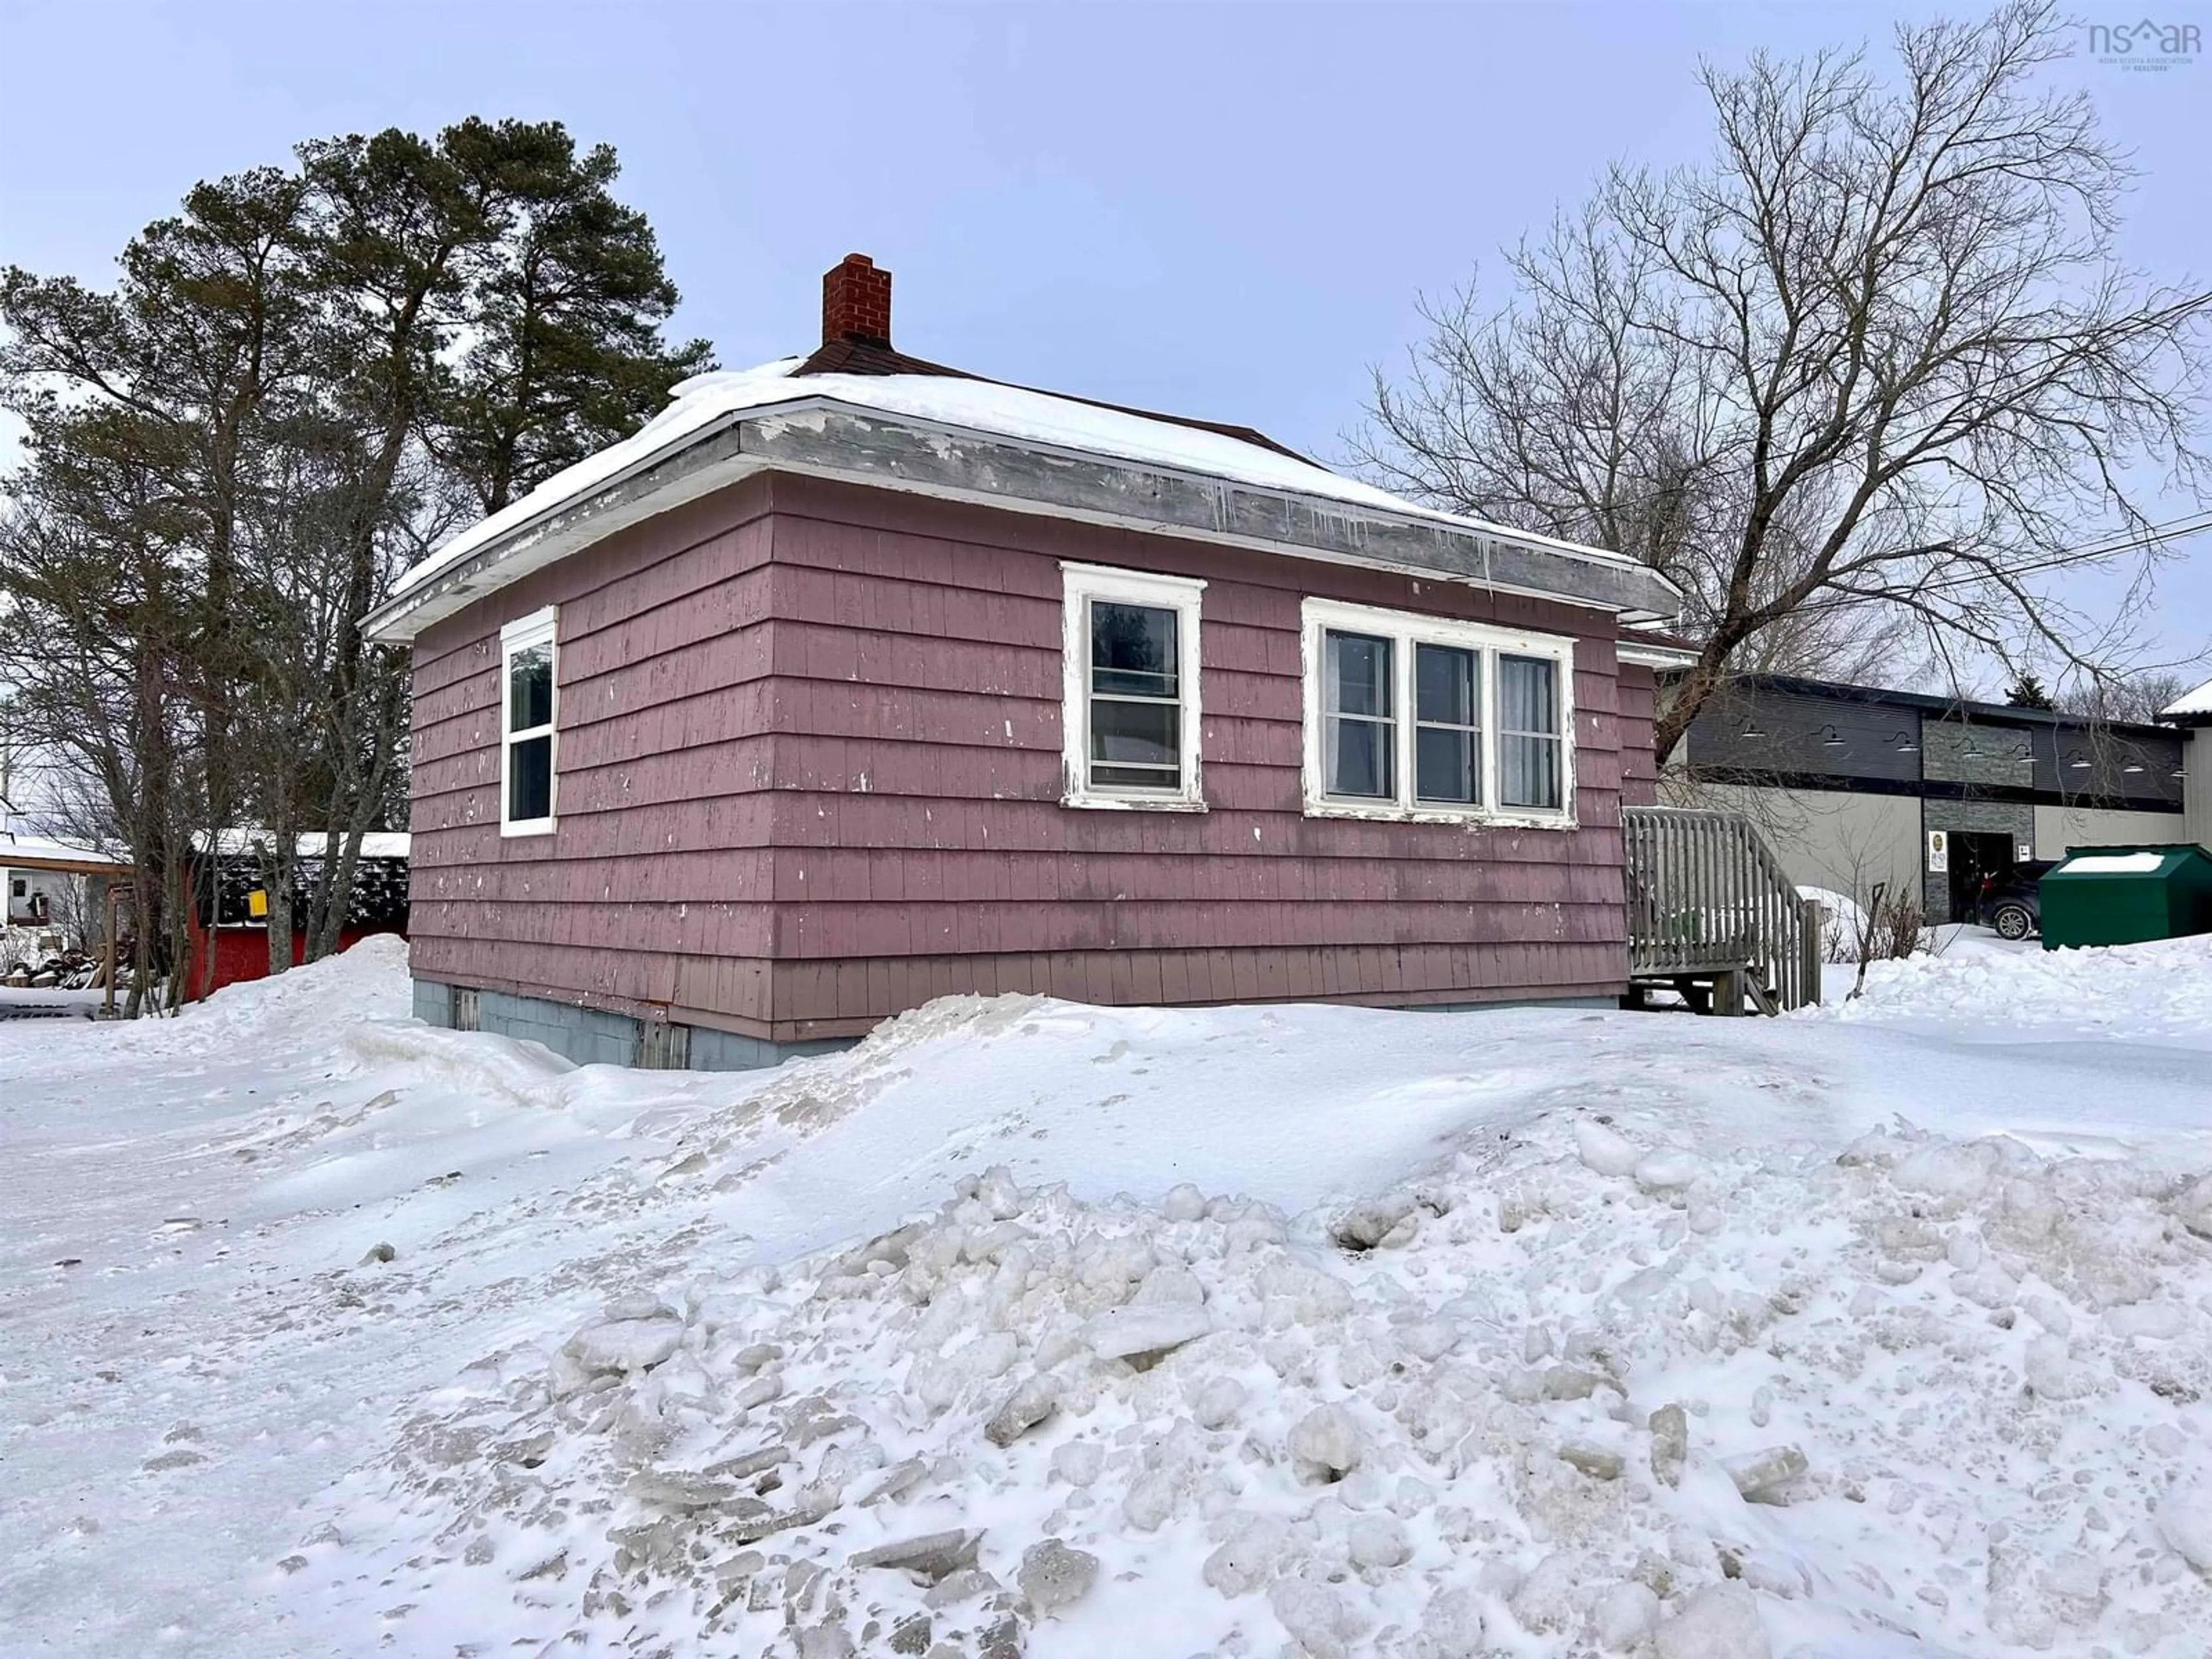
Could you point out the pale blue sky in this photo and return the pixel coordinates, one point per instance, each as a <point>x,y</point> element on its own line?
<point>1226,210</point>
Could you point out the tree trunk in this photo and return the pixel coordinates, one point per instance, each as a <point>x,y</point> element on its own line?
<point>278,860</point>
<point>333,892</point>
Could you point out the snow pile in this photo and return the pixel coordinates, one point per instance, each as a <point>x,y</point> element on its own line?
<point>1574,1389</point>
<point>2114,864</point>
<point>1529,1333</point>
<point>2160,990</point>
<point>366,983</point>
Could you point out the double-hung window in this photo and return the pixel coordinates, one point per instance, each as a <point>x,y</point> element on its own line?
<point>1131,713</point>
<point>1420,717</point>
<point>1360,692</point>
<point>1531,748</point>
<point>528,699</point>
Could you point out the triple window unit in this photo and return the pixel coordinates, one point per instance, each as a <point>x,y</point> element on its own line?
<point>1415,718</point>
<point>1423,718</point>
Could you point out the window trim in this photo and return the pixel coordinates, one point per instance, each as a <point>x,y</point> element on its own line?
<point>1080,584</point>
<point>1392,699</point>
<point>523,634</point>
<point>1406,629</point>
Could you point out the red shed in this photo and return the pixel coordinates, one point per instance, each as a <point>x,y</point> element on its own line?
<point>229,943</point>
<point>855,680</point>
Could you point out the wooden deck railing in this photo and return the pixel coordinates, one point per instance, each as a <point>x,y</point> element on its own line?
<point>1707,898</point>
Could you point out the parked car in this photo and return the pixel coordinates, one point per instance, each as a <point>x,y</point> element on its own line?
<point>2009,900</point>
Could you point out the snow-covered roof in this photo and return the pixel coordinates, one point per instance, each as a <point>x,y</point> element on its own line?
<point>25,852</point>
<point>696,404</point>
<point>1036,419</point>
<point>2196,705</point>
<point>1653,648</point>
<point>376,844</point>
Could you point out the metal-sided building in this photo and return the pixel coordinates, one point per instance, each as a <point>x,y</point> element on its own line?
<point>1855,785</point>
<point>2191,716</point>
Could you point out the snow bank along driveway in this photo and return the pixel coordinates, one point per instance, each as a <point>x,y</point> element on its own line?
<point>1034,1329</point>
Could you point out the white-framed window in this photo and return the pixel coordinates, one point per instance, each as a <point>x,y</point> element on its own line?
<point>528,747</point>
<point>1425,719</point>
<point>1130,713</point>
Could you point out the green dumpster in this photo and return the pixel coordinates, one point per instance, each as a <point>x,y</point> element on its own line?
<point>2124,894</point>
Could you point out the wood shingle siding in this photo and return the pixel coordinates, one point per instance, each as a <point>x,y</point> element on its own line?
<point>651,892</point>
<point>1639,767</point>
<point>810,774</point>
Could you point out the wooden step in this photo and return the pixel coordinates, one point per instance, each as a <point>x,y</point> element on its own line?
<point>1705,992</point>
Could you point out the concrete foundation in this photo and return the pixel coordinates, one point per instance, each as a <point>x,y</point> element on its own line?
<point>593,1037</point>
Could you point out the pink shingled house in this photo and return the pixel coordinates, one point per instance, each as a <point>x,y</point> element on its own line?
<point>855,680</point>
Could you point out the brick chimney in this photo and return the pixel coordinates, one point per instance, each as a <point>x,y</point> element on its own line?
<point>856,301</point>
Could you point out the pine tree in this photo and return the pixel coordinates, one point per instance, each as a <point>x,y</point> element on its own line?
<point>149,411</point>
<point>2027,692</point>
<point>300,384</point>
<point>568,302</point>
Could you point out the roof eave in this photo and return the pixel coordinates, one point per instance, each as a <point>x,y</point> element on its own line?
<point>659,483</point>
<point>62,864</point>
<point>824,438</point>
<point>1949,707</point>
<point>1648,654</point>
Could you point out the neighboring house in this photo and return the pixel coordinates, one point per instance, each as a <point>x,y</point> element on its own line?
<point>32,895</point>
<point>230,927</point>
<point>52,887</point>
<point>56,891</point>
<point>855,680</point>
<point>1850,782</point>
<point>2192,716</point>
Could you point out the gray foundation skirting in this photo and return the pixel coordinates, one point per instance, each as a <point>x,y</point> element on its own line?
<point>1610,1003</point>
<point>593,1037</point>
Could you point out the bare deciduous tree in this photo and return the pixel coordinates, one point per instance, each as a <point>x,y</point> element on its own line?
<point>1872,365</point>
<point>2135,697</point>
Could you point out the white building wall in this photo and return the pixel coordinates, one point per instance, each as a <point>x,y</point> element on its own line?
<point>66,906</point>
<point>1842,843</point>
<point>2059,829</point>
<point>2196,789</point>
<point>34,885</point>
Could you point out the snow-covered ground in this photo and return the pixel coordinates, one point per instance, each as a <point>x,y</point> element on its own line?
<point>1980,983</point>
<point>1031,1329</point>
